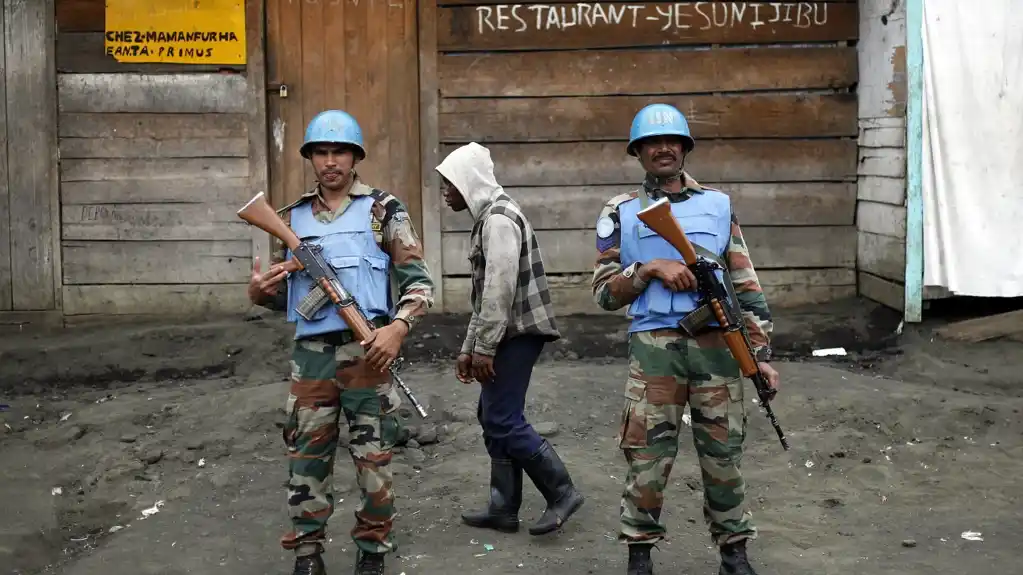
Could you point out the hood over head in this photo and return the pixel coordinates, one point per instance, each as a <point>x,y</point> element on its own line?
<point>471,170</point>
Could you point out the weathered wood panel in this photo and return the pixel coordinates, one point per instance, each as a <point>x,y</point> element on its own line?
<point>568,119</point>
<point>601,163</point>
<point>154,191</point>
<point>621,72</point>
<point>5,195</point>
<point>145,93</point>
<point>780,204</point>
<point>574,251</point>
<point>153,222</point>
<point>77,148</point>
<point>654,24</point>
<point>74,148</point>
<point>880,218</point>
<point>179,299</point>
<point>158,262</point>
<point>256,118</point>
<point>572,294</point>
<point>91,170</point>
<point>32,154</point>
<point>886,292</point>
<point>81,15</point>
<point>85,53</point>
<point>149,125</point>
<point>556,2</point>
<point>881,255</point>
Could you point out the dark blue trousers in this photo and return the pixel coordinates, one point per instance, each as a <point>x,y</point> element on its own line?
<point>506,433</point>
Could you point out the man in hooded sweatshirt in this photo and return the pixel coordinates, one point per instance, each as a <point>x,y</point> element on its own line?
<point>512,319</point>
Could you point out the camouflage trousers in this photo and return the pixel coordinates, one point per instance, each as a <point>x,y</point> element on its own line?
<point>327,380</point>
<point>667,370</point>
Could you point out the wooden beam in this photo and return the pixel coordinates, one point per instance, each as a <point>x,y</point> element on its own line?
<point>159,169</point>
<point>255,73</point>
<point>574,251</point>
<point>609,117</point>
<point>654,24</point>
<point>429,143</point>
<point>603,163</point>
<point>755,204</point>
<point>883,291</point>
<point>914,282</point>
<point>165,93</point>
<point>572,294</point>
<point>157,262</point>
<point>644,72</point>
<point>177,299</point>
<point>156,126</point>
<point>5,194</point>
<point>32,154</point>
<point>984,328</point>
<point>146,222</point>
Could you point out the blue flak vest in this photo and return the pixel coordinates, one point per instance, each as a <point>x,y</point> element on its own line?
<point>360,264</point>
<point>706,220</point>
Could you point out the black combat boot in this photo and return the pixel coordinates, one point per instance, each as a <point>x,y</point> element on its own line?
<point>734,561</point>
<point>552,479</point>
<point>639,560</point>
<point>310,565</point>
<point>369,563</point>
<point>502,512</point>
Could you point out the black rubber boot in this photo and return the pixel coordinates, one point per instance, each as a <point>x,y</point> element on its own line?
<point>369,563</point>
<point>502,511</point>
<point>309,565</point>
<point>640,562</point>
<point>734,561</point>
<point>549,475</point>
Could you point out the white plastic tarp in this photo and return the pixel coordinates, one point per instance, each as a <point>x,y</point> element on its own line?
<point>972,181</point>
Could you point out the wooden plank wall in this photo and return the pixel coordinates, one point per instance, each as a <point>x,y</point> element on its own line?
<point>29,255</point>
<point>154,164</point>
<point>551,89</point>
<point>881,188</point>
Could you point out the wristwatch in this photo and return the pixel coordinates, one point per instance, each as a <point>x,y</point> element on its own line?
<point>630,271</point>
<point>763,354</point>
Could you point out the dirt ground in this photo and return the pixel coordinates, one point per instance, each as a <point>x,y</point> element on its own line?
<point>899,449</point>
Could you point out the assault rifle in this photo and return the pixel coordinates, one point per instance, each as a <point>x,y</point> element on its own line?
<point>309,257</point>
<point>713,304</point>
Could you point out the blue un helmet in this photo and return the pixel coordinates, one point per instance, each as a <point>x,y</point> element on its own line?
<point>333,127</point>
<point>659,120</point>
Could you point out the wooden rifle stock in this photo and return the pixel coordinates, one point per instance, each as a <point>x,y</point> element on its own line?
<point>259,213</point>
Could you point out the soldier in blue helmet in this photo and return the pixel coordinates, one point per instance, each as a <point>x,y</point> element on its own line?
<point>367,235</point>
<point>668,368</point>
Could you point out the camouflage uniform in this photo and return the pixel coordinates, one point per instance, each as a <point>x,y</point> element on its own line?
<point>667,370</point>
<point>329,376</point>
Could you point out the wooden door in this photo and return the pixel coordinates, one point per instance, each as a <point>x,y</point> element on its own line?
<point>360,56</point>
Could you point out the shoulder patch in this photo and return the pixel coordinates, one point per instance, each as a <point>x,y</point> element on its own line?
<point>621,199</point>
<point>605,227</point>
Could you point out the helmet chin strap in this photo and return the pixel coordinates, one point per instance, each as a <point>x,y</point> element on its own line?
<point>662,181</point>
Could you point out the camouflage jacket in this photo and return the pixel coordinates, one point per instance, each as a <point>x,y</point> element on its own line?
<point>396,236</point>
<point>612,290</point>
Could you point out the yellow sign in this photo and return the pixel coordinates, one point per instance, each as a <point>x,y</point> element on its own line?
<point>176,31</point>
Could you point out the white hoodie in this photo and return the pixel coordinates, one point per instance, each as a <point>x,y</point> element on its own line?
<point>502,301</point>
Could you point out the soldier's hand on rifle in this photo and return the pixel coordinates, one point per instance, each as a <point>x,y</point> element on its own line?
<point>482,369</point>
<point>463,368</point>
<point>383,344</point>
<point>673,273</point>
<point>771,375</point>
<point>263,286</point>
